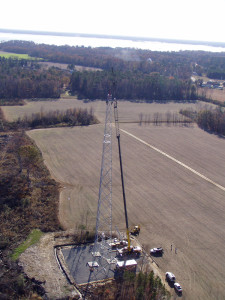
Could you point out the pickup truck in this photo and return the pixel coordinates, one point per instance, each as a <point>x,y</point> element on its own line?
<point>155,251</point>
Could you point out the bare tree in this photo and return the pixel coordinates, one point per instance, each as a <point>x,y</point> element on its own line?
<point>140,118</point>
<point>29,157</point>
<point>168,117</point>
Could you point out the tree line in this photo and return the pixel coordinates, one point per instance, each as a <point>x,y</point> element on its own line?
<point>180,64</point>
<point>70,117</point>
<point>21,79</point>
<point>140,74</point>
<point>28,200</point>
<point>131,86</point>
<point>218,73</point>
<point>57,118</point>
<point>212,120</point>
<point>146,61</point>
<point>22,172</point>
<point>144,285</point>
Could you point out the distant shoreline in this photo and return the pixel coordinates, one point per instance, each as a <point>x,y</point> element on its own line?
<point>118,37</point>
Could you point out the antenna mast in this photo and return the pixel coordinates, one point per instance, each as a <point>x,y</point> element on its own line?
<point>102,253</point>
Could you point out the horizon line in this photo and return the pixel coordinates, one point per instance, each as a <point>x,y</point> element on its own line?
<point>104,36</point>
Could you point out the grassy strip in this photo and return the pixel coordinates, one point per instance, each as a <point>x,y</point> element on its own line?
<point>32,238</point>
<point>18,56</point>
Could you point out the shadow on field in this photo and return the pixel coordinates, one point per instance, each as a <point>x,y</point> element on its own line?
<point>171,284</point>
<point>157,254</point>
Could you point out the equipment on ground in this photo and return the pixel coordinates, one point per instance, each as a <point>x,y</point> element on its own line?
<point>130,265</point>
<point>134,251</point>
<point>135,230</point>
<point>121,171</point>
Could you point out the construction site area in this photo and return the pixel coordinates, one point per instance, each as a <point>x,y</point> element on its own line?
<point>174,188</point>
<point>113,253</point>
<point>79,260</point>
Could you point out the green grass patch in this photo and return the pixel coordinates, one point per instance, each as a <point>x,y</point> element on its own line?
<point>32,239</point>
<point>18,56</point>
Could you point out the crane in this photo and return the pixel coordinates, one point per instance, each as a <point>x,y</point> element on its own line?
<point>102,251</point>
<point>121,171</point>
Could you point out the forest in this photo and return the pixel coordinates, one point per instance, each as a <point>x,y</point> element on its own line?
<point>21,79</point>
<point>138,75</point>
<point>131,86</point>
<point>145,285</point>
<point>28,200</point>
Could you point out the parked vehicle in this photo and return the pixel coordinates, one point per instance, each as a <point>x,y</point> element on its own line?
<point>136,230</point>
<point>178,288</point>
<point>129,251</point>
<point>170,277</point>
<point>158,250</point>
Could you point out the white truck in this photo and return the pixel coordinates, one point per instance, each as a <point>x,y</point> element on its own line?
<point>170,277</point>
<point>129,265</point>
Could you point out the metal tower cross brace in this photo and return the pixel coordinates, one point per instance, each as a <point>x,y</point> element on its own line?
<point>102,253</point>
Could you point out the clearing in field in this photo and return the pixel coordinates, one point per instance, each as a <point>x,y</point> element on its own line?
<point>46,65</point>
<point>173,205</point>
<point>214,94</point>
<point>17,56</point>
<point>128,111</point>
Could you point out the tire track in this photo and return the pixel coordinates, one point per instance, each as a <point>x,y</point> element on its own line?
<point>175,160</point>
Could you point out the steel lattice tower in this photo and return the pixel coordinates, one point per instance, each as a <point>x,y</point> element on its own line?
<point>103,235</point>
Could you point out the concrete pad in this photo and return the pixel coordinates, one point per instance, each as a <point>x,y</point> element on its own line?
<point>79,261</point>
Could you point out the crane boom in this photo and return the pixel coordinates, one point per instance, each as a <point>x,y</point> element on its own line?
<point>121,170</point>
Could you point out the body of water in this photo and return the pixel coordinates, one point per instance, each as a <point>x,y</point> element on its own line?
<point>107,42</point>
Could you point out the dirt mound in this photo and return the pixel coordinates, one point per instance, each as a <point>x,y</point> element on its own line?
<point>39,262</point>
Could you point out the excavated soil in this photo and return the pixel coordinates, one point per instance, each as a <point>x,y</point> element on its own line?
<point>39,262</point>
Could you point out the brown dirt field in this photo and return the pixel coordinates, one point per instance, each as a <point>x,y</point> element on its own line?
<point>62,66</point>
<point>46,65</point>
<point>172,204</point>
<point>213,94</point>
<point>14,112</point>
<point>128,111</point>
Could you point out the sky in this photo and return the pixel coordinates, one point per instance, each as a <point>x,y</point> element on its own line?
<point>201,20</point>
